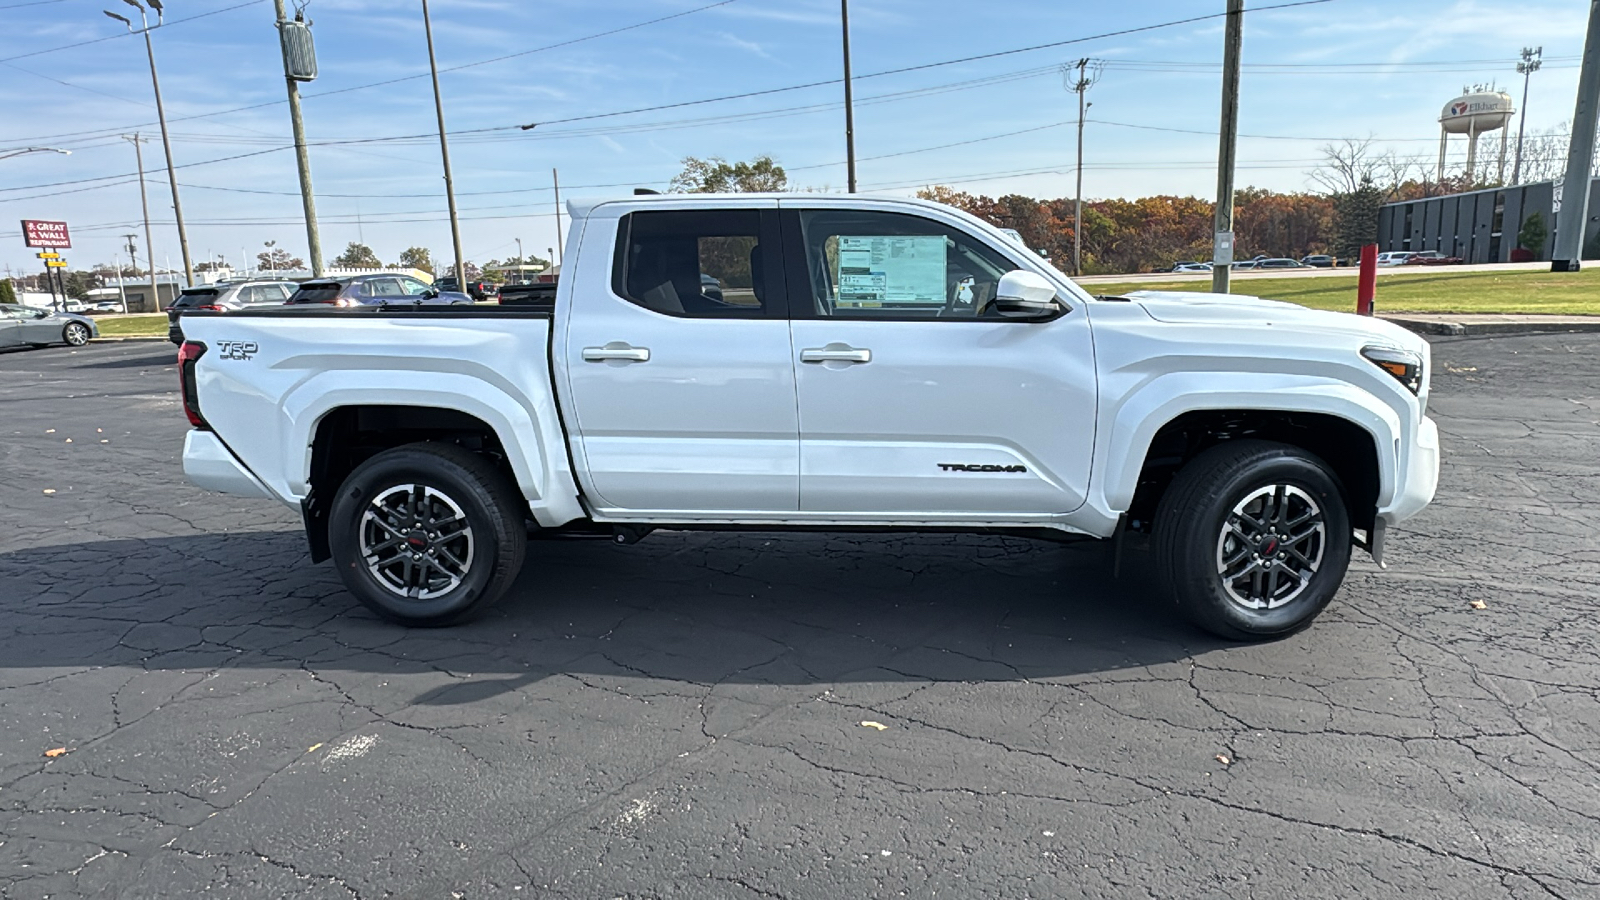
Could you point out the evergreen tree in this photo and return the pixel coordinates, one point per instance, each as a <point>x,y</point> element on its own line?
<point>1356,218</point>
<point>1533,234</point>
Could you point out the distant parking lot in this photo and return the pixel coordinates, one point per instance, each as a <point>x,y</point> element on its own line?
<point>710,715</point>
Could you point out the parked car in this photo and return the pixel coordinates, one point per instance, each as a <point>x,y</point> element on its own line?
<point>1192,267</point>
<point>104,306</point>
<point>374,290</point>
<point>225,296</point>
<point>1280,263</point>
<point>1395,257</point>
<point>1433,258</point>
<point>477,290</point>
<point>871,382</point>
<point>1244,265</point>
<point>1317,261</point>
<point>21,326</point>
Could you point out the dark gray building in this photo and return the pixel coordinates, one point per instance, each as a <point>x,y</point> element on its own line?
<point>1481,226</point>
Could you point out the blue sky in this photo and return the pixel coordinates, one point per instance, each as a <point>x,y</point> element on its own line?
<point>1344,68</point>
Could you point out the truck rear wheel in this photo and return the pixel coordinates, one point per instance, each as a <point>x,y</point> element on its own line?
<point>427,534</point>
<point>1252,539</point>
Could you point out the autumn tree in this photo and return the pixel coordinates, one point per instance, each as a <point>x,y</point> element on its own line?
<point>416,258</point>
<point>357,256</point>
<point>8,292</point>
<point>716,175</point>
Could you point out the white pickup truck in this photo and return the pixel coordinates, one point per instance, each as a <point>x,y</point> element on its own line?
<point>806,362</point>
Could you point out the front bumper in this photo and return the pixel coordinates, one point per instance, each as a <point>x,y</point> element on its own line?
<point>1420,479</point>
<point>211,465</point>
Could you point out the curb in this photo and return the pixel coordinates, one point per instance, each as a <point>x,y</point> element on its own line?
<point>128,337</point>
<point>1439,327</point>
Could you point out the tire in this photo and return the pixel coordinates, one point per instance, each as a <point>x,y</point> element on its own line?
<point>76,334</point>
<point>409,572</point>
<point>1223,517</point>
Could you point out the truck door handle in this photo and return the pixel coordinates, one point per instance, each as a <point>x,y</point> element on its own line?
<point>836,353</point>
<point>616,350</point>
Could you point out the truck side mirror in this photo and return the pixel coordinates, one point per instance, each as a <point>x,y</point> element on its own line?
<point>1025,295</point>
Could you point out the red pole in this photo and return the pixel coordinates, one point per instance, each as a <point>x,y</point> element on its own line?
<point>1368,284</point>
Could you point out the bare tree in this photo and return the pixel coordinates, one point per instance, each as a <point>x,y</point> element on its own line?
<point>1347,166</point>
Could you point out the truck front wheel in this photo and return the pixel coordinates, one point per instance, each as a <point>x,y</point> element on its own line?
<point>427,534</point>
<point>1252,539</point>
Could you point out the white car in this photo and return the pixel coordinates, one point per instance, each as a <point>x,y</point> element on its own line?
<point>1395,257</point>
<point>866,364</point>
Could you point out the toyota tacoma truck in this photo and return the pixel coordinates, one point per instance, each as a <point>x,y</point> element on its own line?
<point>803,362</point>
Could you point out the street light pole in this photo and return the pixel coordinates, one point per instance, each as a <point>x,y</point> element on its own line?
<point>1573,217</point>
<point>849,103</point>
<point>10,153</point>
<point>1531,61</point>
<point>444,152</point>
<point>161,114</point>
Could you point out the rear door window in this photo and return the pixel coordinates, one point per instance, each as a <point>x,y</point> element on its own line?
<point>699,263</point>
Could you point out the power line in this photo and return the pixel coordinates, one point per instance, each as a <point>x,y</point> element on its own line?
<point>205,162</point>
<point>904,69</point>
<point>113,37</point>
<point>566,43</point>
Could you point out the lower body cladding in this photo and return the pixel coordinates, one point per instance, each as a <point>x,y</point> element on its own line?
<point>1251,539</point>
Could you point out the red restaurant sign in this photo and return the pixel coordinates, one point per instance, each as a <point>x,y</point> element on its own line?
<point>46,235</point>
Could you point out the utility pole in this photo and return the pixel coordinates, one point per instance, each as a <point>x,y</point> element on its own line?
<point>444,152</point>
<point>555,179</point>
<point>1228,141</point>
<point>1080,86</point>
<point>1573,218</point>
<point>849,102</point>
<point>1531,60</point>
<point>149,245</point>
<point>161,115</point>
<point>122,292</point>
<point>133,263</point>
<point>301,157</point>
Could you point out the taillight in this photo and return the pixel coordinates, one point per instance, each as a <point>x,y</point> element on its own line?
<point>188,355</point>
<point>210,308</point>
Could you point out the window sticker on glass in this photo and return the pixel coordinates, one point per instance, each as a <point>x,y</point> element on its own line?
<point>902,270</point>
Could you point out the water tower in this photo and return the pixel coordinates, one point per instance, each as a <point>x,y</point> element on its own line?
<point>1477,110</point>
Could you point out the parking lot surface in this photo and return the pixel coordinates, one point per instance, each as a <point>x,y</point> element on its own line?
<point>719,715</point>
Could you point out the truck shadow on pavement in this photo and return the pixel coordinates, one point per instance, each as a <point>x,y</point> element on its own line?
<point>701,608</point>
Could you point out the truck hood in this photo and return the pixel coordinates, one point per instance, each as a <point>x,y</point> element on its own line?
<point>1185,308</point>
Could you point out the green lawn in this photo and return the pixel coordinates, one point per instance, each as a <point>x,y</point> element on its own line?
<point>148,325</point>
<point>1432,291</point>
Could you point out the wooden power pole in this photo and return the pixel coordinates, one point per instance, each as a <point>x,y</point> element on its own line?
<point>1228,141</point>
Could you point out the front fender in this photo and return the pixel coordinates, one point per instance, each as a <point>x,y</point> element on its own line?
<point>1136,420</point>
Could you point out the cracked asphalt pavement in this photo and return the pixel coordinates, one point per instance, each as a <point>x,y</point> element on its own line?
<point>684,717</point>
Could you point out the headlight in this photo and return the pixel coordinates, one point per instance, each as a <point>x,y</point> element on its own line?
<point>1404,365</point>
